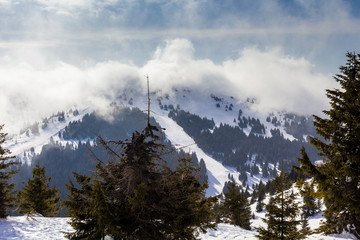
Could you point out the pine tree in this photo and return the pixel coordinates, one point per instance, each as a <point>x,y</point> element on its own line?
<point>281,216</point>
<point>259,206</point>
<point>37,196</point>
<point>7,197</point>
<point>136,196</point>
<point>236,206</point>
<point>308,194</point>
<point>339,147</point>
<point>80,210</point>
<point>186,210</point>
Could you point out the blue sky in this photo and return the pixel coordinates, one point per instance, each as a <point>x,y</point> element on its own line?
<point>276,51</point>
<point>129,30</point>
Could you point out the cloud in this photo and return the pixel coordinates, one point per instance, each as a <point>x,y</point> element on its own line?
<point>91,31</point>
<point>190,18</point>
<point>280,52</point>
<point>29,94</point>
<point>276,81</point>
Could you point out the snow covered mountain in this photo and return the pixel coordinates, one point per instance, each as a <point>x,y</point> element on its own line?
<point>195,121</point>
<point>230,137</point>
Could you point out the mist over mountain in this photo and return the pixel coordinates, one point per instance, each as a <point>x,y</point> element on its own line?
<point>229,138</point>
<point>277,82</point>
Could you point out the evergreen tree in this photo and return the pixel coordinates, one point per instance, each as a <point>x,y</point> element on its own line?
<point>136,196</point>
<point>186,209</point>
<point>308,194</point>
<point>339,147</point>
<point>259,206</point>
<point>6,195</point>
<point>254,195</point>
<point>281,216</point>
<point>236,206</point>
<point>37,196</point>
<point>261,191</point>
<point>80,210</point>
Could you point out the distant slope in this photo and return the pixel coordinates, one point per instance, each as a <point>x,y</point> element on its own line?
<point>217,173</point>
<point>250,155</point>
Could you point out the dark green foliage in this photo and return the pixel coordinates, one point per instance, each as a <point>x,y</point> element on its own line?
<point>6,195</point>
<point>243,176</point>
<point>191,123</point>
<point>339,178</point>
<point>298,125</point>
<point>61,161</point>
<point>238,157</point>
<point>307,191</point>
<point>83,218</point>
<point>202,172</point>
<point>259,206</point>
<point>261,196</point>
<point>125,121</point>
<point>37,196</point>
<point>232,146</point>
<point>282,215</point>
<point>236,208</point>
<point>136,196</point>
<point>261,191</point>
<point>270,187</point>
<point>256,126</point>
<point>185,209</point>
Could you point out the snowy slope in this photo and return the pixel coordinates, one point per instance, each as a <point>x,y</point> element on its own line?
<point>230,232</point>
<point>41,228</point>
<point>21,228</point>
<point>24,146</point>
<point>217,107</point>
<point>217,173</point>
<point>21,145</point>
<point>222,109</point>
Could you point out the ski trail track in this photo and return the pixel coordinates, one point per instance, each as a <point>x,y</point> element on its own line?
<point>217,173</point>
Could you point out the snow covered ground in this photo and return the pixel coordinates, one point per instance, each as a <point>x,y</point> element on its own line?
<point>41,228</point>
<point>23,228</point>
<point>229,232</point>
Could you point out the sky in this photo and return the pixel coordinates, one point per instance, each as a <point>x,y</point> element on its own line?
<point>55,54</point>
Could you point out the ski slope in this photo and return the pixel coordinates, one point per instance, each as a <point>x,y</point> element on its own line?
<point>217,173</point>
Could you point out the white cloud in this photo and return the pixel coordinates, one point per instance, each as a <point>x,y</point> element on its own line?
<point>28,94</point>
<point>277,82</point>
<point>67,4</point>
<point>45,45</point>
<point>97,29</point>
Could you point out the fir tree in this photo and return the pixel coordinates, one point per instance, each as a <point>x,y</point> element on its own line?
<point>186,210</point>
<point>254,195</point>
<point>281,216</point>
<point>7,197</point>
<point>308,194</point>
<point>236,206</point>
<point>80,210</point>
<point>339,147</point>
<point>136,196</point>
<point>259,206</point>
<point>37,196</point>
